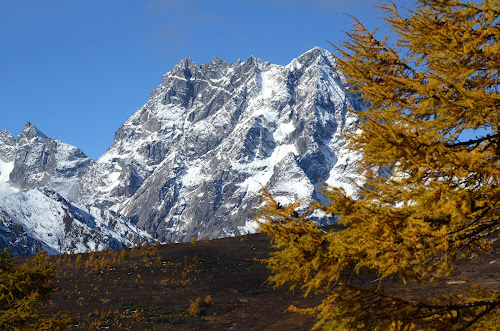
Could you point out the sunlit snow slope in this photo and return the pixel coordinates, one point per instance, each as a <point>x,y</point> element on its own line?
<point>42,218</point>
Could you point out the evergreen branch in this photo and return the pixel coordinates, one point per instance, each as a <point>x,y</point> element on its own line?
<point>473,141</point>
<point>495,224</point>
<point>458,306</point>
<point>478,317</point>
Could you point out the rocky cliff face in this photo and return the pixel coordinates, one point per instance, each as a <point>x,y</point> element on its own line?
<point>191,161</point>
<point>40,161</point>
<point>7,147</point>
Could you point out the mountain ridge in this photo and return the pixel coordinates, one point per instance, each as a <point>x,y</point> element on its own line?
<point>252,113</point>
<point>191,161</point>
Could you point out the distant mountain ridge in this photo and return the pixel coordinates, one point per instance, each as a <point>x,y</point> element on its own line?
<point>41,218</point>
<point>191,161</point>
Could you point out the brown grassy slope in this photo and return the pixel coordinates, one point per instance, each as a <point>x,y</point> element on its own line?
<point>157,287</point>
<point>154,287</point>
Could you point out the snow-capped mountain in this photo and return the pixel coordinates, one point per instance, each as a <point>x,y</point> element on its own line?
<point>192,160</point>
<point>33,168</point>
<point>41,218</point>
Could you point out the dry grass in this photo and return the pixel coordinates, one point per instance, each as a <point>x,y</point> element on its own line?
<point>202,285</point>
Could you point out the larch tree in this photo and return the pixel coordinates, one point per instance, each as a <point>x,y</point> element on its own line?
<point>24,289</point>
<point>428,88</point>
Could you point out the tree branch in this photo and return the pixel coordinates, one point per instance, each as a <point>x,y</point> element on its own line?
<point>473,141</point>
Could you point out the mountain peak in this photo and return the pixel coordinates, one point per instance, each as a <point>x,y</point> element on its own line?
<point>192,160</point>
<point>315,55</point>
<point>183,69</point>
<point>317,51</point>
<point>185,63</point>
<point>41,161</point>
<point>217,60</point>
<point>29,132</point>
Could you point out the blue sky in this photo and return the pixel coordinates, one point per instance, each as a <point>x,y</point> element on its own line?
<point>78,69</point>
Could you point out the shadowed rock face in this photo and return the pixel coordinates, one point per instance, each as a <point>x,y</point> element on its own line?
<point>14,237</point>
<point>191,161</point>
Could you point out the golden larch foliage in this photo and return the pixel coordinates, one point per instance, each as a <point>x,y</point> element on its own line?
<point>24,289</point>
<point>431,195</point>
